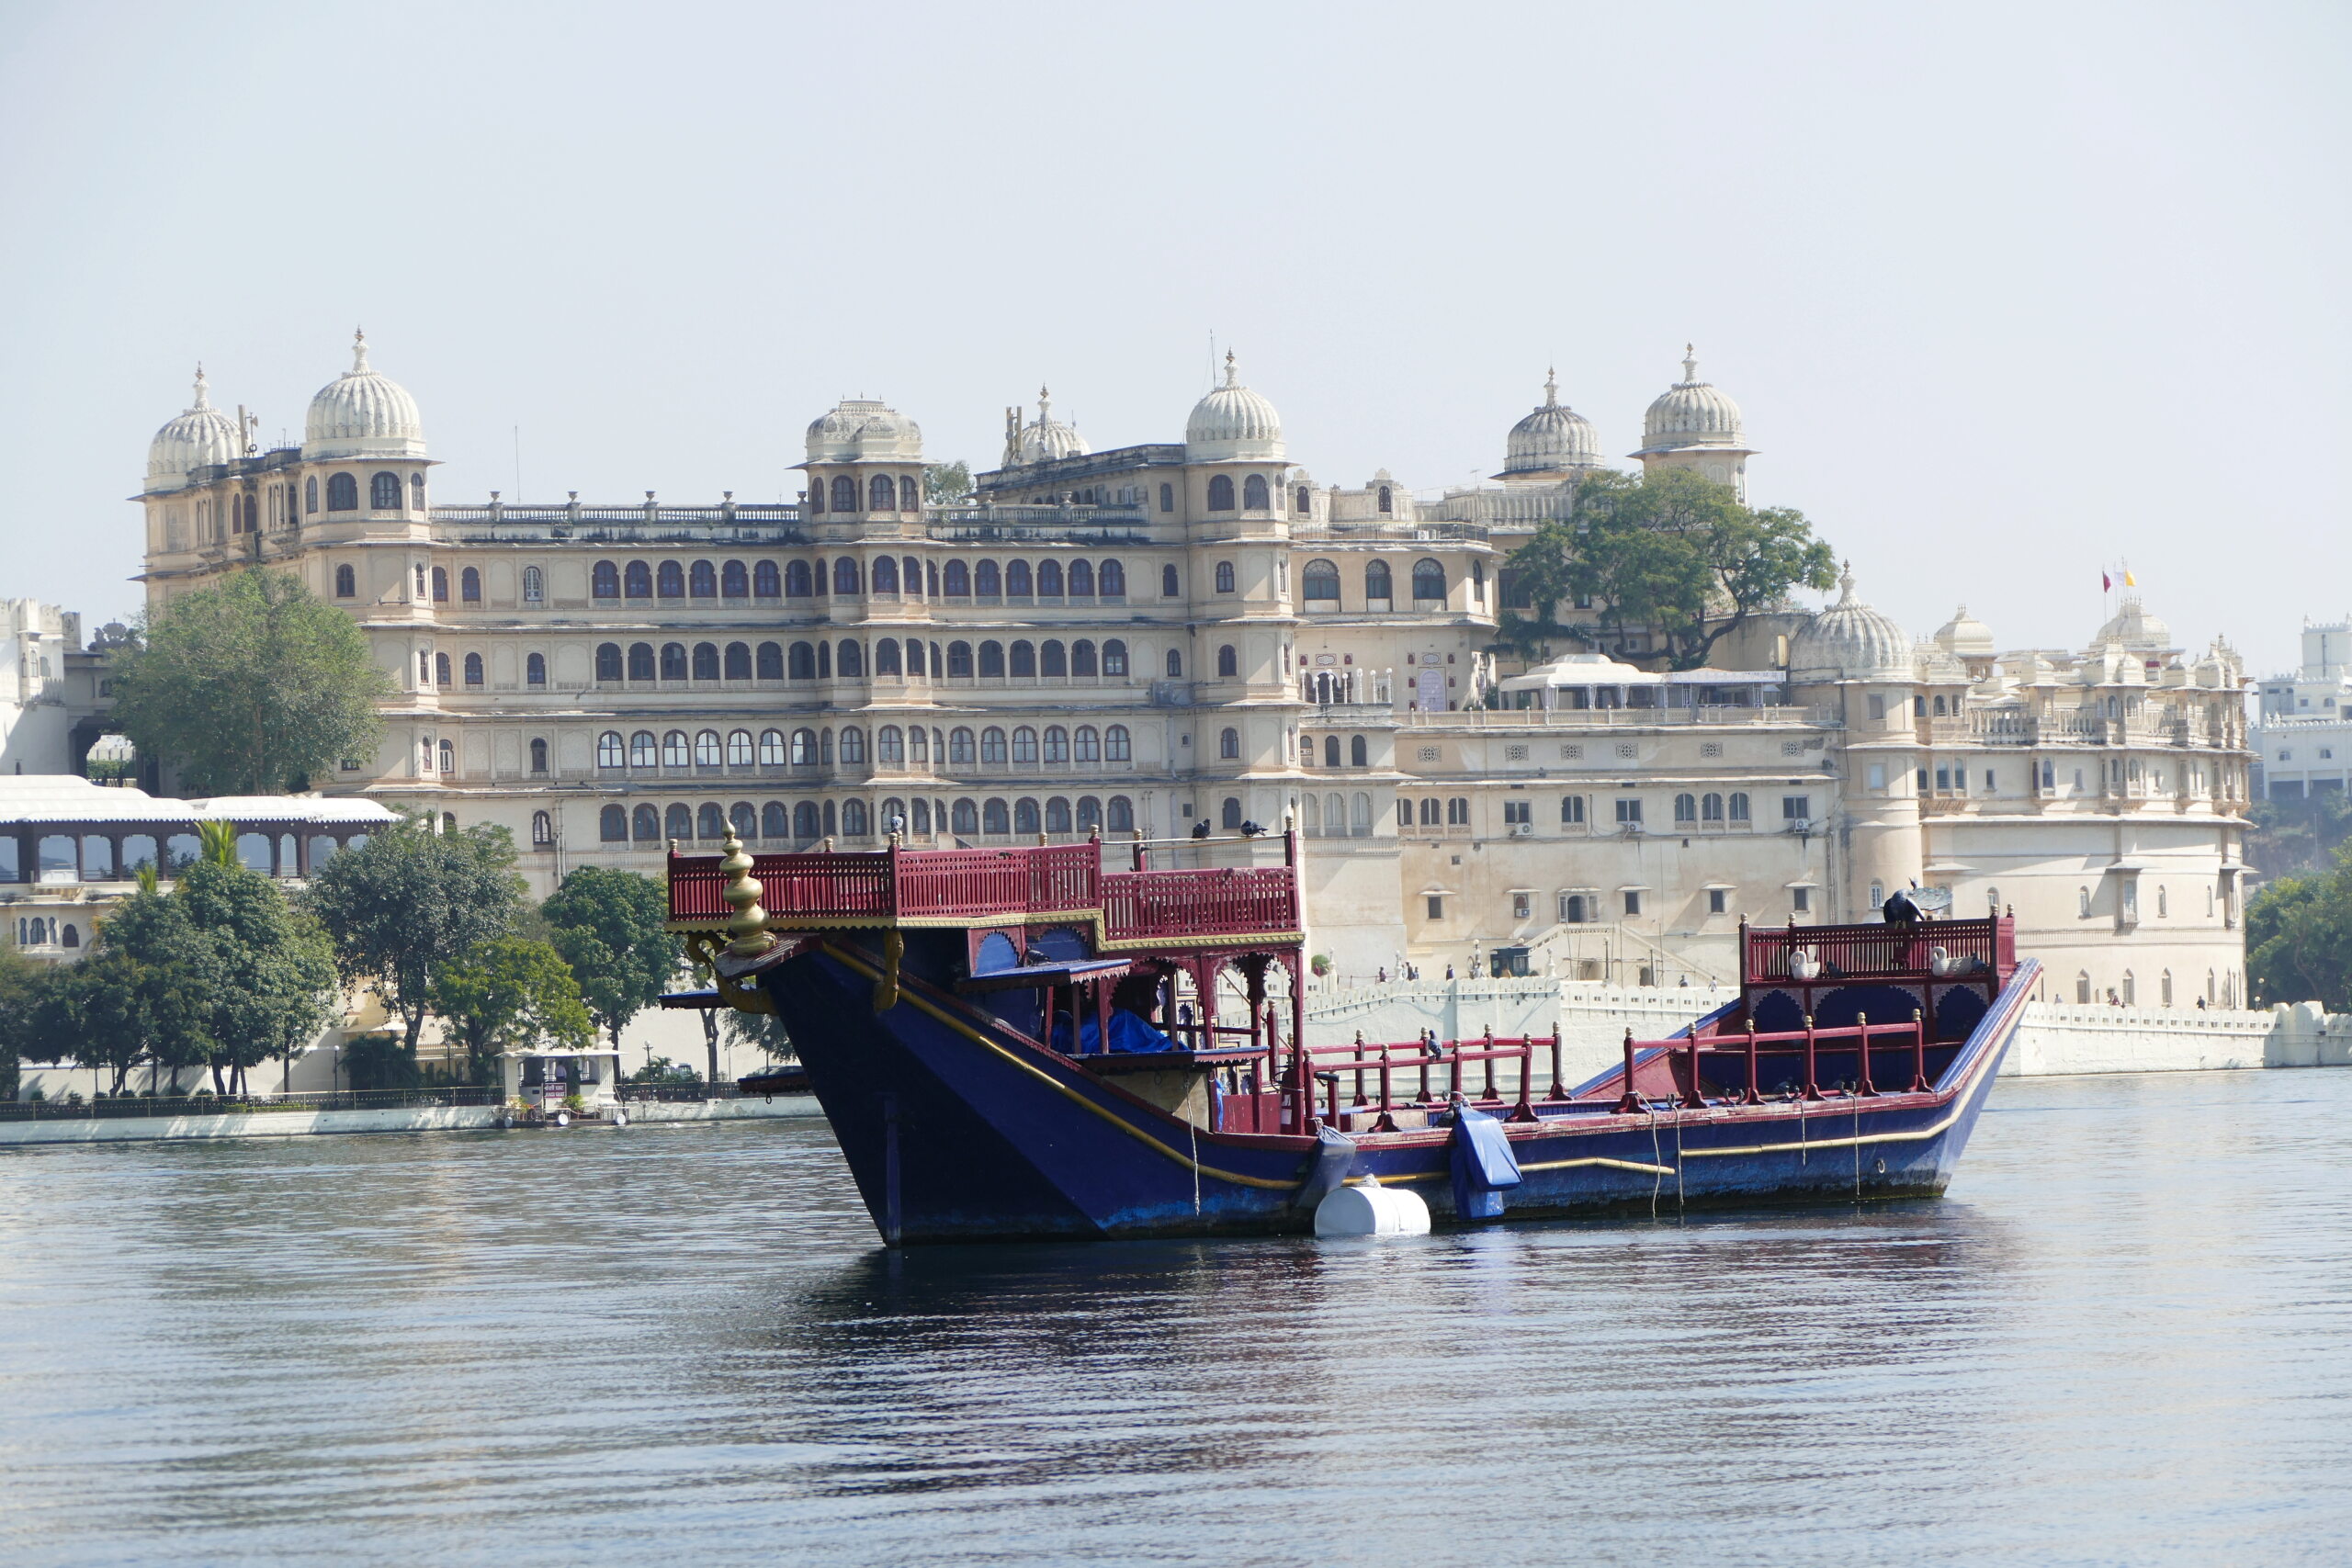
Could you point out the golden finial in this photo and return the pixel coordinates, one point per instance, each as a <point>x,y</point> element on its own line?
<point>747,928</point>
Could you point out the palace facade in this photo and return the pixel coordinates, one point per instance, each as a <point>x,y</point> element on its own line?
<point>1197,638</point>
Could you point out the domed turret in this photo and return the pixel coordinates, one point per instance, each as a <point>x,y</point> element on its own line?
<point>1233,422</point>
<point>864,430</point>
<point>2135,630</point>
<point>1850,641</point>
<point>361,413</point>
<point>1047,438</point>
<point>200,436</point>
<point>1552,442</point>
<point>1693,425</point>
<point>1965,636</point>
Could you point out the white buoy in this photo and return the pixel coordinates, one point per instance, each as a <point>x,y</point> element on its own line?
<point>1361,1206</point>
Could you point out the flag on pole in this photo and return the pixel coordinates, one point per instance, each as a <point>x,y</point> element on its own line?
<point>2105,586</point>
<point>2130,580</point>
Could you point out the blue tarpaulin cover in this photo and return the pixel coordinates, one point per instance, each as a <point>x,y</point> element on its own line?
<point>1130,1036</point>
<point>1483,1163</point>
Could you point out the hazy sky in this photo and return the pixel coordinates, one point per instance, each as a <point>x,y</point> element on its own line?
<point>2006,291</point>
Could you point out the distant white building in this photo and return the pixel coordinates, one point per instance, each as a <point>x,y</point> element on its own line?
<point>2303,741</point>
<point>36,725</point>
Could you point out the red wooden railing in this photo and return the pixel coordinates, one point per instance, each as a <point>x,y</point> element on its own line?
<point>978,885</point>
<point>1985,949</point>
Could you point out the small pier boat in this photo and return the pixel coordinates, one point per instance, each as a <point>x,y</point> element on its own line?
<point>1017,1043</point>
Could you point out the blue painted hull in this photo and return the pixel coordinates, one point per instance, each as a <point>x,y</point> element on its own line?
<point>957,1131</point>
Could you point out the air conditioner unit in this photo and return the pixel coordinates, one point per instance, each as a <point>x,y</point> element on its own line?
<point>1632,830</point>
<point>1522,829</point>
<point>1800,824</point>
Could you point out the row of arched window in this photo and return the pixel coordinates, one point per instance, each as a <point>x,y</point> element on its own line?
<point>893,747</point>
<point>1330,816</point>
<point>1359,751</point>
<point>383,492</point>
<point>42,930</point>
<point>1320,582</point>
<point>882,494</point>
<point>806,821</point>
<point>535,584</point>
<point>915,660</point>
<point>888,575</point>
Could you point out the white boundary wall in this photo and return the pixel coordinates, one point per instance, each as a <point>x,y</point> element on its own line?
<point>2053,1039</point>
<point>406,1118</point>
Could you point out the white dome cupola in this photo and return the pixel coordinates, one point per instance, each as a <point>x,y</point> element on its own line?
<point>1554,440</point>
<point>1850,641</point>
<point>2134,629</point>
<point>1965,636</point>
<point>362,413</point>
<point>197,438</point>
<point>864,430</point>
<point>1233,423</point>
<point>1690,413</point>
<point>1048,438</point>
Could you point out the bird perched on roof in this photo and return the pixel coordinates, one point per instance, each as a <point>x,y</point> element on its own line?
<point>1250,829</point>
<point>1200,828</point>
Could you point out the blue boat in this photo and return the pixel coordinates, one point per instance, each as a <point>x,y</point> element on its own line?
<point>1017,1044</point>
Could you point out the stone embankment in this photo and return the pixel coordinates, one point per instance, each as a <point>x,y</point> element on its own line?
<point>290,1124</point>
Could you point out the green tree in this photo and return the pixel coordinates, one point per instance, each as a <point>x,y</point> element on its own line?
<point>250,687</point>
<point>946,484</point>
<point>608,925</point>
<point>1669,551</point>
<point>411,900</point>
<point>20,980</point>
<point>510,994</point>
<point>2299,939</point>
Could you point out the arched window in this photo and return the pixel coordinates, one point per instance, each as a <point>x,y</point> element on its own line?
<point>845,493</point>
<point>1229,662</point>
<point>911,571</point>
<point>707,751</point>
<point>609,752</point>
<point>643,753</point>
<point>441,669</point>
<point>310,493</point>
<point>2083,902</point>
<point>853,745</point>
<point>1089,745</point>
<point>743,819</point>
<point>992,661</point>
<point>538,755</point>
<point>1167,498</point>
<point>1320,583</point>
<point>705,661</point>
<point>1170,586</point>
<point>776,822</point>
<point>1090,814</point>
<point>1711,808</point>
<point>993,747</point>
<point>702,580</point>
<point>961,748</point>
<point>671,580</point>
<point>1330,751</point>
<point>799,582</point>
<point>734,581</point>
<point>417,492</point>
<point>711,822</point>
<point>1057,815</point>
<point>1305,501</point>
<point>966,817</point>
<point>854,819</point>
<point>678,822</point>
<point>1082,580</point>
<point>959,660</point>
<point>384,492</point>
<point>342,493</point>
<point>1024,659</point>
<point>469,586</point>
<point>1359,752</point>
<point>890,745</point>
<point>673,661</point>
<point>612,825</point>
<point>1228,744</point>
<point>1388,501</point>
<point>1049,579</point>
<point>440,585</point>
<point>1571,810</point>
<point>1175,664</point>
<point>1231,814</point>
<point>1025,745</point>
<point>771,661</point>
<point>845,576</point>
<point>606,581</point>
<point>640,661</point>
<point>771,748</point>
<point>1016,579</point>
<point>1428,579</point>
<point>1024,815</point>
<point>1111,581</point>
<point>1221,493</point>
<point>804,748</point>
<point>804,661</point>
<point>921,743</point>
<point>1056,744</point>
<point>958,581</point>
<point>346,583</point>
<point>995,818</point>
<point>805,823</point>
<point>449,757</point>
<point>1686,809</point>
<point>886,575</point>
<point>645,824</point>
<point>1116,745</point>
<point>535,586</point>
<point>473,669</point>
<point>1225,578</point>
<point>1254,494</point>
<point>1121,813</point>
<point>1081,658</point>
<point>640,580</point>
<point>914,657</point>
<point>1738,805</point>
<point>1375,581</point>
<point>739,661</point>
<point>882,494</point>
<point>674,753</point>
<point>986,584</point>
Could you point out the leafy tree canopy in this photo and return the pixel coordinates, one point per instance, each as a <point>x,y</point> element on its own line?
<point>250,687</point>
<point>608,925</point>
<point>409,901</point>
<point>1671,550</point>
<point>944,484</point>
<point>510,994</point>
<point>2299,939</point>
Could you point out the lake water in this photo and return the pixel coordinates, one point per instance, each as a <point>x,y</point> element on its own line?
<point>2125,1338</point>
